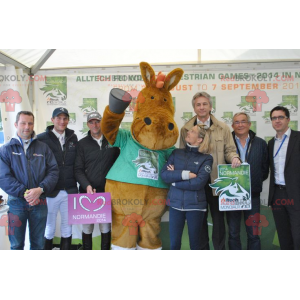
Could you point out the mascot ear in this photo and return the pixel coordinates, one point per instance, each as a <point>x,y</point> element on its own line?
<point>173,78</point>
<point>148,74</point>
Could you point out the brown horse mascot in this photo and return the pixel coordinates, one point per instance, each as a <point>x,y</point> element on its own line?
<point>138,194</point>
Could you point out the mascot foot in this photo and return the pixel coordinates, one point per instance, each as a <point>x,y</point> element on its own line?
<point>115,247</point>
<point>141,248</point>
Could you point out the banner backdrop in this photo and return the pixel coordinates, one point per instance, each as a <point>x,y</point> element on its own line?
<point>255,92</point>
<point>13,97</point>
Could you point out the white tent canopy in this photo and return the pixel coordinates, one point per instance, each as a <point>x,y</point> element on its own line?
<point>32,60</point>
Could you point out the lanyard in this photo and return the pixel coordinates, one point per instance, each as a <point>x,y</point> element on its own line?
<point>280,146</point>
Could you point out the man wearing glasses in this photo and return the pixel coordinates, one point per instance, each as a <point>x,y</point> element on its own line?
<point>252,150</point>
<point>284,192</point>
<point>93,161</point>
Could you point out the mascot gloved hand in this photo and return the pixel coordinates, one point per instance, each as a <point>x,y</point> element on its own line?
<point>138,194</point>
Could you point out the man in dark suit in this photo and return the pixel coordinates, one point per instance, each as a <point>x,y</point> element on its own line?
<point>284,192</point>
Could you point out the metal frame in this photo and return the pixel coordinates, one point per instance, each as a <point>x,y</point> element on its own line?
<point>41,61</point>
<point>4,59</point>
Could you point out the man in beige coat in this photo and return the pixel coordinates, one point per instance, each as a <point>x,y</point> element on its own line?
<point>224,151</point>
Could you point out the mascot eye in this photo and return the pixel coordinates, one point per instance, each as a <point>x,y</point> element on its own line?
<point>165,100</point>
<point>152,97</point>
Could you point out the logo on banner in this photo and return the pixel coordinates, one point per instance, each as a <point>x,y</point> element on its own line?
<point>55,90</point>
<point>72,118</point>
<point>268,138</point>
<point>257,222</point>
<point>89,105</point>
<point>253,126</point>
<point>257,98</point>
<point>234,188</point>
<point>293,125</point>
<point>10,98</point>
<point>213,110</point>
<point>89,208</point>
<point>133,221</point>
<point>227,117</point>
<point>186,116</point>
<point>134,102</point>
<point>246,107</point>
<point>10,222</point>
<point>267,118</point>
<point>291,103</point>
<point>147,163</point>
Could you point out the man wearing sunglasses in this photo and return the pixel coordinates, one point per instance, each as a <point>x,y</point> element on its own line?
<point>284,191</point>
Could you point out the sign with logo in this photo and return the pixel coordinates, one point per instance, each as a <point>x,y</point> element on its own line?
<point>234,187</point>
<point>89,209</point>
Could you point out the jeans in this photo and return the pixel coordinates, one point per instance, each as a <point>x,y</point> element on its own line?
<point>58,203</point>
<point>18,214</point>
<point>176,223</point>
<point>234,227</point>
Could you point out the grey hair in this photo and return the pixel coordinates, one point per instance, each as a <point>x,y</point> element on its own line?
<point>241,113</point>
<point>202,94</point>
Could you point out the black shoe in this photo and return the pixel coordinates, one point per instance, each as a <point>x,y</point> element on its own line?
<point>87,241</point>
<point>48,244</point>
<point>65,243</point>
<point>105,241</point>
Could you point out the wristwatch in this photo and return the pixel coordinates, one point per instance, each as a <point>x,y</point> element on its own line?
<point>42,189</point>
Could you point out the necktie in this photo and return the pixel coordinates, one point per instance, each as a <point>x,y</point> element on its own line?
<point>62,142</point>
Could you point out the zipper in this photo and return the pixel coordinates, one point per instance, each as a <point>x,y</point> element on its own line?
<point>28,167</point>
<point>64,157</point>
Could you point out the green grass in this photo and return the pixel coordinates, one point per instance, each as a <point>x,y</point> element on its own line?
<point>269,238</point>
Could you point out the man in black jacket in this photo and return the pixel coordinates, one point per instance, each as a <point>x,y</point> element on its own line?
<point>284,192</point>
<point>63,143</point>
<point>252,150</point>
<point>93,160</point>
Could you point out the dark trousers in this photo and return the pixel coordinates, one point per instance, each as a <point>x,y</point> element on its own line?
<point>176,225</point>
<point>218,234</point>
<point>234,227</point>
<point>287,220</point>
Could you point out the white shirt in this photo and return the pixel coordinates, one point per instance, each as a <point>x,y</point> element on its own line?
<point>207,122</point>
<point>279,160</point>
<point>61,137</point>
<point>99,141</point>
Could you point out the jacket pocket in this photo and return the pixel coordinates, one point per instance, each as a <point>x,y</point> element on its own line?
<point>219,143</point>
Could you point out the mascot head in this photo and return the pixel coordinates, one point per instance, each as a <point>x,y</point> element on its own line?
<point>153,123</point>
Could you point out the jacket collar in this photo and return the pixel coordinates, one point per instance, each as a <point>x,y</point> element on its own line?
<point>17,140</point>
<point>213,122</point>
<point>190,148</point>
<point>252,135</point>
<point>68,131</point>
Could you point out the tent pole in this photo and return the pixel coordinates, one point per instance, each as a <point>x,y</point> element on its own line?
<point>41,61</point>
<point>4,59</point>
<point>199,56</point>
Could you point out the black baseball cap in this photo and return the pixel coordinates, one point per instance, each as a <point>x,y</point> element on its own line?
<point>60,110</point>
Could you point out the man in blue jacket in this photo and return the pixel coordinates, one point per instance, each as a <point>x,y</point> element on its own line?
<point>28,171</point>
<point>252,150</point>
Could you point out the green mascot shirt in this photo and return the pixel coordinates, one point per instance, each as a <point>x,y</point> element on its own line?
<point>136,164</point>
